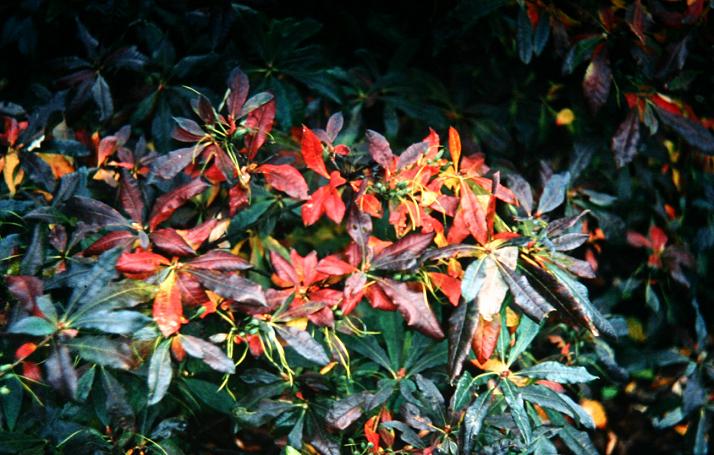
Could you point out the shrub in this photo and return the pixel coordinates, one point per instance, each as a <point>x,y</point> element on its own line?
<point>274,287</point>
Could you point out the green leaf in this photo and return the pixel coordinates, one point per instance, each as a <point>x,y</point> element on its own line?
<point>547,398</point>
<point>473,419</point>
<point>577,441</point>
<point>88,286</point>
<point>248,216</point>
<point>117,404</point>
<point>527,330</point>
<point>85,383</point>
<point>370,349</point>
<point>44,303</point>
<point>160,373</point>
<point>524,37</point>
<point>103,351</point>
<point>557,372</point>
<point>209,394</point>
<point>474,277</point>
<point>11,401</point>
<point>116,322</point>
<point>514,400</point>
<point>32,325</point>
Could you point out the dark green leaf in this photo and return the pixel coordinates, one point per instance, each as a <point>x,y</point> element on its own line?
<point>160,373</point>
<point>103,351</point>
<point>473,420</point>
<point>577,441</point>
<point>514,399</point>
<point>524,37</point>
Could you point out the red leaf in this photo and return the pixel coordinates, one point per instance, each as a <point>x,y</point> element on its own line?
<point>237,199</point>
<point>624,142</point>
<point>333,265</point>
<point>379,150</point>
<point>285,178</point>
<point>166,205</point>
<point>197,235</point>
<point>167,310</point>
<point>238,85</point>
<point>413,307</point>
<point>450,286</point>
<point>260,121</point>
<point>486,337</point>
<point>192,293</point>
<point>284,271</point>
<point>219,260</point>
<point>326,200</point>
<point>378,298</point>
<point>597,80</point>
<point>658,238</point>
<point>353,292</point>
<point>638,240</point>
<point>187,130</point>
<point>25,350</point>
<point>311,149</point>
<point>169,241</point>
<point>109,241</point>
<point>141,264</point>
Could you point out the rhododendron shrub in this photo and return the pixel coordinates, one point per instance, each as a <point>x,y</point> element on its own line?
<point>326,291</point>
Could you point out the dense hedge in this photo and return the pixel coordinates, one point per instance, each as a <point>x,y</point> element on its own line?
<point>289,227</point>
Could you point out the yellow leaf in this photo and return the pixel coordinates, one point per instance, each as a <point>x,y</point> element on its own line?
<point>512,318</point>
<point>596,411</point>
<point>564,117</point>
<point>635,330</point>
<point>298,323</point>
<point>12,178</point>
<point>493,365</point>
<point>327,368</point>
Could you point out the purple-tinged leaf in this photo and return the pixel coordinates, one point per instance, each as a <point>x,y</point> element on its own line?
<point>238,85</point>
<point>232,287</point>
<point>211,354</point>
<point>379,149</point>
<point>404,253</point>
<point>627,137</point>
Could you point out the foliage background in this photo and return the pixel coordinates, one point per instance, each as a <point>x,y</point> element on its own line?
<point>398,68</point>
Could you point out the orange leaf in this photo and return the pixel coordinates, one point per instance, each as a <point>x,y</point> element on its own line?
<point>454,147</point>
<point>485,338</point>
<point>167,310</point>
<point>59,164</point>
<point>596,411</point>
